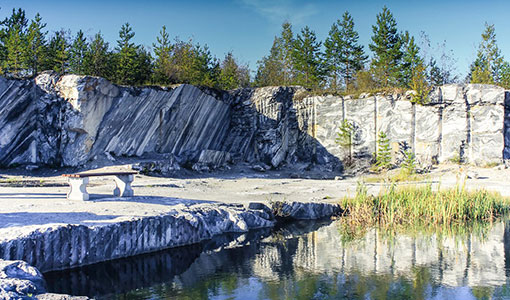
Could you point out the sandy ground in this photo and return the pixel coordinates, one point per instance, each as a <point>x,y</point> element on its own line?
<point>37,198</point>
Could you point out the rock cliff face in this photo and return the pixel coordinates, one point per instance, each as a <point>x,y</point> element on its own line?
<point>463,122</point>
<point>70,120</point>
<point>29,121</point>
<point>105,118</point>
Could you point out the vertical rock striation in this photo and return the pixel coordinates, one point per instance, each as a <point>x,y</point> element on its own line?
<point>29,121</point>
<point>61,246</point>
<point>70,120</point>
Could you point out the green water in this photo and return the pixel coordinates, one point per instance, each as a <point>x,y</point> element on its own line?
<point>308,261</point>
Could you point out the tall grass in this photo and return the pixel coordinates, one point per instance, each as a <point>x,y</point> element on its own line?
<point>422,205</point>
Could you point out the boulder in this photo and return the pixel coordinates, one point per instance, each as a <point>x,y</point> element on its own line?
<point>304,210</point>
<point>18,279</point>
<point>211,160</point>
<point>166,166</point>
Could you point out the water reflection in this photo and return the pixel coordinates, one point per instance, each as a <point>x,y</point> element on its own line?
<point>307,261</point>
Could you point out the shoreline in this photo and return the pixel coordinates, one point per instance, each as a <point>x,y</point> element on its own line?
<point>42,228</point>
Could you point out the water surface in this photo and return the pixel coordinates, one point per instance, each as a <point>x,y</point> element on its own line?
<point>307,260</point>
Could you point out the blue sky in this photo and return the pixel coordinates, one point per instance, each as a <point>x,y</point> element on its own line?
<point>247,27</point>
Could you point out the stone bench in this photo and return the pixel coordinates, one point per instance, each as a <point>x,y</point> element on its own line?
<point>78,183</point>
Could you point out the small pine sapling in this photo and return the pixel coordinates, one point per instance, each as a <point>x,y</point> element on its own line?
<point>344,139</point>
<point>409,163</point>
<point>383,157</point>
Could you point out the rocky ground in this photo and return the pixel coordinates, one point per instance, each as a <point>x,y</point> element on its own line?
<point>39,196</point>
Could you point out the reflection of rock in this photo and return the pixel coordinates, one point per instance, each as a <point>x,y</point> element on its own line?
<point>53,247</point>
<point>143,271</point>
<point>452,262</point>
<point>296,253</point>
<point>124,275</point>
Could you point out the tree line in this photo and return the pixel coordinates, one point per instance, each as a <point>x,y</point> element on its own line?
<point>27,49</point>
<point>339,64</point>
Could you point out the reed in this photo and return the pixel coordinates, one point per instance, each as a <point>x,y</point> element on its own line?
<point>422,205</point>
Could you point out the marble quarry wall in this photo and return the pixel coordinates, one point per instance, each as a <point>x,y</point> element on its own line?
<point>71,120</point>
<point>466,122</point>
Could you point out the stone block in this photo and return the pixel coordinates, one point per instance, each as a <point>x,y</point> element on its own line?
<point>452,93</point>
<point>427,133</point>
<point>484,94</point>
<point>454,132</point>
<point>361,112</point>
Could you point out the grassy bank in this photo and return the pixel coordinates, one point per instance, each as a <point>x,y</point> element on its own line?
<point>421,206</point>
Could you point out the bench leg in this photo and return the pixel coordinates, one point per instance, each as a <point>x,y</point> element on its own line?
<point>78,189</point>
<point>123,188</point>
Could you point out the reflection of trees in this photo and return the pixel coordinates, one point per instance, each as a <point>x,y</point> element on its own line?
<point>506,243</point>
<point>293,264</point>
<point>298,263</point>
<point>482,293</point>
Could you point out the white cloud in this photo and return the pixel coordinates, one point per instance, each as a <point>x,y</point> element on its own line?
<point>278,11</point>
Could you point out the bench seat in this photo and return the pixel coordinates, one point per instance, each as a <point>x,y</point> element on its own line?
<point>78,183</point>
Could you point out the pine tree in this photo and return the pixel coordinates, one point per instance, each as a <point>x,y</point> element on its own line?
<point>193,64</point>
<point>184,63</point>
<point>163,52</point>
<point>232,75</point>
<point>286,49</point>
<point>383,158</point>
<point>205,67</point>
<point>386,45</point>
<point>505,75</point>
<point>36,45</point>
<point>410,60</point>
<point>143,66</point>
<point>278,68</point>
<point>435,76</point>
<point>308,59</point>
<point>487,66</point>
<point>344,56</point>
<point>409,163</point>
<point>419,84</point>
<point>344,138</point>
<point>480,74</point>
<point>269,70</point>
<point>15,42</point>
<point>125,71</point>
<point>58,52</point>
<point>77,54</point>
<point>15,47</point>
<point>17,18</point>
<point>97,58</point>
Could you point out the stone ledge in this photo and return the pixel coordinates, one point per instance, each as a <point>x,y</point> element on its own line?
<point>61,246</point>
